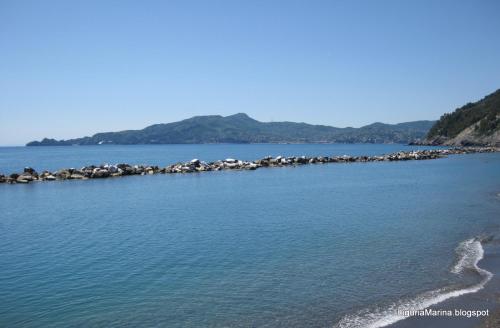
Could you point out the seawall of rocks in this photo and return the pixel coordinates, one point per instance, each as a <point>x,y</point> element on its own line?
<point>195,165</point>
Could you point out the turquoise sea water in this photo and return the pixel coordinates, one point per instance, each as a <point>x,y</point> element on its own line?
<point>280,247</point>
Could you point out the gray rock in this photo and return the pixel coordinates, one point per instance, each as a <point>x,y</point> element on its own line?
<point>25,176</point>
<point>63,174</point>
<point>76,176</point>
<point>195,165</point>
<point>113,169</point>
<point>100,173</point>
<point>29,170</point>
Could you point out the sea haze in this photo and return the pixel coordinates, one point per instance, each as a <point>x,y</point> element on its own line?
<point>280,247</point>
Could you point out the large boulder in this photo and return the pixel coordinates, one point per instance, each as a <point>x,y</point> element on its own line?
<point>29,170</point>
<point>300,160</point>
<point>232,165</point>
<point>76,176</point>
<point>187,169</point>
<point>138,169</point>
<point>113,169</point>
<point>100,173</point>
<point>251,166</point>
<point>126,169</point>
<point>63,174</point>
<point>262,162</point>
<point>25,178</point>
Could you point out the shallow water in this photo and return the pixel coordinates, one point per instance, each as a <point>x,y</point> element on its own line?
<point>279,247</point>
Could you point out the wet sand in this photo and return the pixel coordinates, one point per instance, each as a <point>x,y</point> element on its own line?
<point>486,299</point>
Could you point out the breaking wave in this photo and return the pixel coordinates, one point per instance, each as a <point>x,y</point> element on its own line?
<point>469,252</point>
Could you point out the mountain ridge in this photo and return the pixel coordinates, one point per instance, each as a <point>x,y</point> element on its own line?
<point>241,128</point>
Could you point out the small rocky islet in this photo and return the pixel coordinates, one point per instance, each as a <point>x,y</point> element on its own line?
<point>107,171</point>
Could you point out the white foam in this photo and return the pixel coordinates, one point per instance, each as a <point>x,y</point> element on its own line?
<point>470,252</point>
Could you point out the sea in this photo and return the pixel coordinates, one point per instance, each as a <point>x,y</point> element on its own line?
<point>323,245</point>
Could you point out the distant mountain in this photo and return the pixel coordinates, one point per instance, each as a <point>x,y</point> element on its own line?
<point>240,128</point>
<point>476,123</point>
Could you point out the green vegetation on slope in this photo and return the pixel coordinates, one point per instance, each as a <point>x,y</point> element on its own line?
<point>486,112</point>
<point>240,128</point>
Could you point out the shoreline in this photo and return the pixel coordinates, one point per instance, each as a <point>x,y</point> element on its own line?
<point>446,309</point>
<point>485,299</point>
<point>196,166</point>
<point>447,306</point>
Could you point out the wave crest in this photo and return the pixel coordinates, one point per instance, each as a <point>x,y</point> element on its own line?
<point>469,252</point>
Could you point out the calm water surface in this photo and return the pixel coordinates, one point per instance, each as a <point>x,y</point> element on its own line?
<point>14,159</point>
<point>288,247</point>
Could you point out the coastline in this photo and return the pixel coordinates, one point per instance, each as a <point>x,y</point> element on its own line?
<point>487,298</point>
<point>473,305</point>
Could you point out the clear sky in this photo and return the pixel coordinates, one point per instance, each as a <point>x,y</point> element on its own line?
<point>74,68</point>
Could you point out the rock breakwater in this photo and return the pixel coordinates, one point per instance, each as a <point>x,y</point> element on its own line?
<point>117,170</point>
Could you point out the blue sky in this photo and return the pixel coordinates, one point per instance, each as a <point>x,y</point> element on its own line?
<point>74,68</point>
